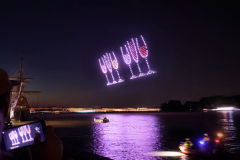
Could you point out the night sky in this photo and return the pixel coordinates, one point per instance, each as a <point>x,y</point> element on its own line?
<point>194,47</point>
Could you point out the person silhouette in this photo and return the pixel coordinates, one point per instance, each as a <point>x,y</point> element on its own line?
<point>51,149</point>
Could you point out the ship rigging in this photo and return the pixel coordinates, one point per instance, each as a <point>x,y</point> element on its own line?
<point>19,109</point>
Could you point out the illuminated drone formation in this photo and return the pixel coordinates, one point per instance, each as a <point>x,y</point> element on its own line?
<point>143,50</point>
<point>103,68</point>
<point>107,63</point>
<point>109,66</point>
<point>134,53</point>
<point>135,47</point>
<point>115,65</point>
<point>127,59</point>
<point>130,53</point>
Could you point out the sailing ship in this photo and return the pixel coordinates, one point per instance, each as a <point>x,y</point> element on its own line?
<point>19,109</point>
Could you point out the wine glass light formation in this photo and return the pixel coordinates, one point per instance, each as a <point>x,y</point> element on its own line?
<point>24,129</point>
<point>109,66</point>
<point>127,59</point>
<point>115,65</point>
<point>104,69</point>
<point>20,131</point>
<point>13,136</point>
<point>133,50</point>
<point>28,129</point>
<point>143,50</point>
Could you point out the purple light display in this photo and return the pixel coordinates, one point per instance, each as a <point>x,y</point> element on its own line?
<point>127,59</point>
<point>108,63</point>
<point>143,51</point>
<point>109,66</point>
<point>115,65</point>
<point>134,53</point>
<point>103,68</point>
<point>130,53</point>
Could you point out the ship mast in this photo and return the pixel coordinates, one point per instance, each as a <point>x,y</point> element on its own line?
<point>21,79</point>
<point>19,99</point>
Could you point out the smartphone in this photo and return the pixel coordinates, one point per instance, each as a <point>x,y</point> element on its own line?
<point>22,136</point>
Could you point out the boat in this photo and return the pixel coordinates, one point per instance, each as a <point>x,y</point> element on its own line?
<point>19,109</point>
<point>201,149</point>
<point>186,150</point>
<point>101,120</point>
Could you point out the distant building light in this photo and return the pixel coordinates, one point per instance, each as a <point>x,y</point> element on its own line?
<point>85,111</point>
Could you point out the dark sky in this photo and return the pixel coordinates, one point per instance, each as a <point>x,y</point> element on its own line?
<point>194,47</point>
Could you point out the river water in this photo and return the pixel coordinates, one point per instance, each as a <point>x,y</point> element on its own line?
<point>136,136</point>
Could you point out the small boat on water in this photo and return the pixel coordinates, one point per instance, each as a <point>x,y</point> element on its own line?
<point>186,150</point>
<point>101,120</point>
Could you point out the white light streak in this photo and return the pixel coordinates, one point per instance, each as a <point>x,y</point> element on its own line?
<point>166,154</point>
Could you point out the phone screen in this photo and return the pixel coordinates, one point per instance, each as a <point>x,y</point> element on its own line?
<point>21,136</point>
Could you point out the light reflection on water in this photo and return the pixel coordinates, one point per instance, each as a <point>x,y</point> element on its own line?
<point>229,130</point>
<point>127,136</point>
<point>133,135</point>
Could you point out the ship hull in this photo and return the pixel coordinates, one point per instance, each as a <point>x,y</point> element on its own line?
<point>21,113</point>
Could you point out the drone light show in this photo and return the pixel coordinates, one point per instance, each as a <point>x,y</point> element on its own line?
<point>115,65</point>
<point>108,63</point>
<point>143,50</point>
<point>127,59</point>
<point>133,52</point>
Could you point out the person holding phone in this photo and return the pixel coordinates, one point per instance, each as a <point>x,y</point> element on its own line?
<point>51,149</point>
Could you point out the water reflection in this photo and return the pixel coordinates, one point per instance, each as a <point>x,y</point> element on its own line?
<point>229,130</point>
<point>168,154</point>
<point>152,136</point>
<point>127,136</point>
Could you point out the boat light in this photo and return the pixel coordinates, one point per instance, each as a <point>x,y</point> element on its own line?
<point>217,141</point>
<point>202,142</point>
<point>220,135</point>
